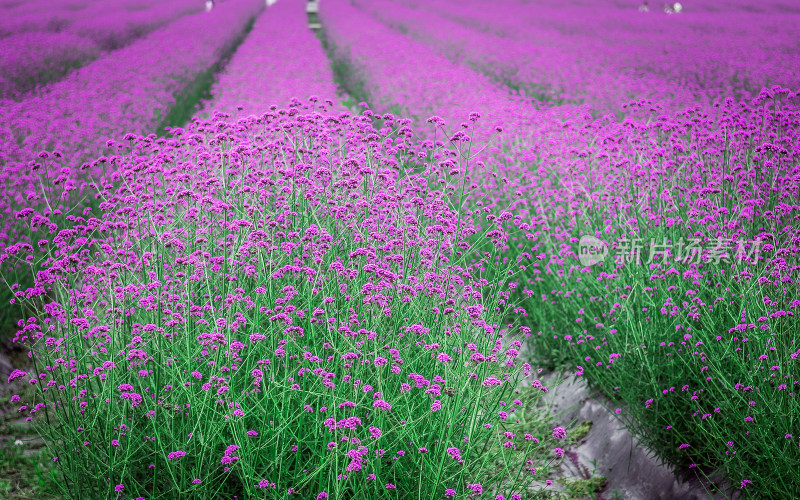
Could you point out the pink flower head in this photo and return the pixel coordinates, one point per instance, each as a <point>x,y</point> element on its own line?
<point>15,375</point>
<point>381,405</point>
<point>477,488</point>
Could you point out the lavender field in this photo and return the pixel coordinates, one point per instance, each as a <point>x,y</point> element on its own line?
<point>399,249</point>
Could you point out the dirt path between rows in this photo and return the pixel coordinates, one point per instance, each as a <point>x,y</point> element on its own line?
<point>606,449</point>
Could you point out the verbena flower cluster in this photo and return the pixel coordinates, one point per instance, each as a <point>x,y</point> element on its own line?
<point>287,297</point>
<point>130,90</point>
<point>279,302</point>
<point>691,320</point>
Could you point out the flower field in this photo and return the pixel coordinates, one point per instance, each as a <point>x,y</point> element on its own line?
<point>245,259</point>
<point>36,53</point>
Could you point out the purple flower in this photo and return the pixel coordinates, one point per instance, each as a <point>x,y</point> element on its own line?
<point>15,375</point>
<point>382,405</point>
<point>476,488</point>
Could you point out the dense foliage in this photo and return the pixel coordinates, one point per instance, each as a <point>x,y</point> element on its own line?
<point>295,294</point>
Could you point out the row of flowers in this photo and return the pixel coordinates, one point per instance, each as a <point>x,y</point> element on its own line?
<point>273,300</point>
<point>131,90</point>
<point>661,235</point>
<point>33,58</point>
